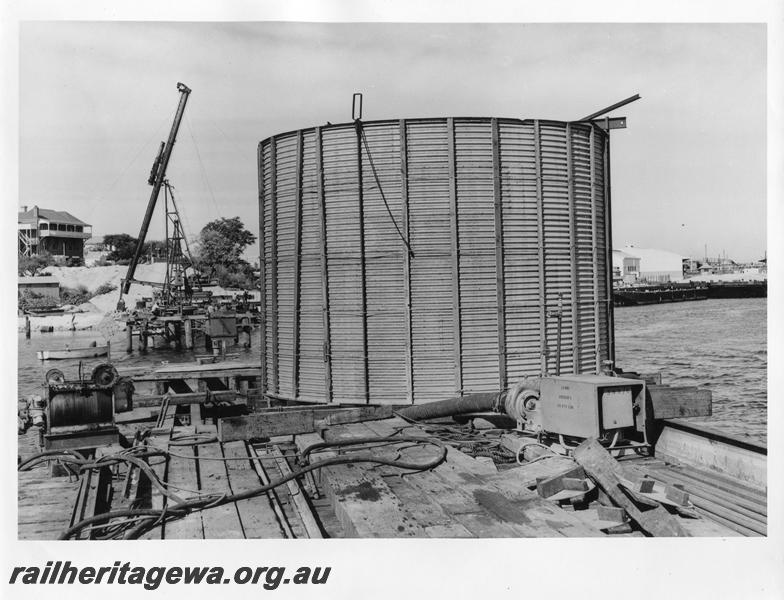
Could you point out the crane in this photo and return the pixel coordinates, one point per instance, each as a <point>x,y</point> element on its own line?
<point>157,180</point>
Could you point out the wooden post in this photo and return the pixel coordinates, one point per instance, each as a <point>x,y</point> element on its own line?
<point>195,413</point>
<point>207,342</point>
<point>128,337</point>
<point>188,334</point>
<point>27,327</point>
<point>143,339</point>
<point>178,335</point>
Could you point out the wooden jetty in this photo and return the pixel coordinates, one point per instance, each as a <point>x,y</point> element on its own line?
<point>187,378</point>
<point>181,330</point>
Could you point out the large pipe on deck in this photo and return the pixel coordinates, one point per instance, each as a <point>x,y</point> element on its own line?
<point>470,403</point>
<point>510,401</point>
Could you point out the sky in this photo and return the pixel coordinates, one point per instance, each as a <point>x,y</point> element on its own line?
<point>97,98</point>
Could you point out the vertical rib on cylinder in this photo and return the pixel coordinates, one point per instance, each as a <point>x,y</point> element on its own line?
<point>406,263</point>
<point>594,254</point>
<point>608,243</point>
<point>296,265</point>
<point>457,340</point>
<point>543,350</point>
<point>262,271</point>
<point>363,275</point>
<point>274,317</point>
<point>322,218</point>
<point>499,255</point>
<point>575,286</point>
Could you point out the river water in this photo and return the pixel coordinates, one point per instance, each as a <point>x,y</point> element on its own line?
<point>31,371</point>
<point>720,344</point>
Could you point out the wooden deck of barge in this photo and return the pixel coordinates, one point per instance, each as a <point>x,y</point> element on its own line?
<point>463,497</point>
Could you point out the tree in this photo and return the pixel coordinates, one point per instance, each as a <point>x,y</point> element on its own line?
<point>219,252</point>
<point>123,246</point>
<point>30,266</point>
<point>155,249</point>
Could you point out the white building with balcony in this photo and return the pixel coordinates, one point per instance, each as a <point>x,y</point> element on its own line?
<point>57,232</point>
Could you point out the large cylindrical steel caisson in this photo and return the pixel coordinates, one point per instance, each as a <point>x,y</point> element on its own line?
<point>413,260</point>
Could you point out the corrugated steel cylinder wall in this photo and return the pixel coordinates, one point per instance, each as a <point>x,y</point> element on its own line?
<point>506,223</point>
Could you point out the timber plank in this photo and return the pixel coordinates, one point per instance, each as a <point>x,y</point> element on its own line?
<point>468,502</point>
<point>605,470</point>
<point>485,502</point>
<point>293,421</point>
<point>256,514</point>
<point>527,473</point>
<point>182,478</point>
<point>160,466</point>
<point>45,505</point>
<point>735,486</point>
<point>298,498</point>
<point>361,499</point>
<point>434,520</point>
<point>669,402</point>
<point>415,503</point>
<point>220,522</point>
<point>267,471</point>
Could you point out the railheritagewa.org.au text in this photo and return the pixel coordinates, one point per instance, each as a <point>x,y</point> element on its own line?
<point>151,578</point>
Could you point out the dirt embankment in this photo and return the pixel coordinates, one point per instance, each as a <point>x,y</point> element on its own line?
<point>98,313</point>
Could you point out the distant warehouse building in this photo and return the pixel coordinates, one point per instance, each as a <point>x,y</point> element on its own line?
<point>626,267</point>
<point>57,232</point>
<point>657,266</point>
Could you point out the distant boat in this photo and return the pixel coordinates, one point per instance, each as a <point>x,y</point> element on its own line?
<point>89,352</point>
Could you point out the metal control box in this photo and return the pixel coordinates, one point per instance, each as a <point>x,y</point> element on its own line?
<point>222,325</point>
<point>588,406</point>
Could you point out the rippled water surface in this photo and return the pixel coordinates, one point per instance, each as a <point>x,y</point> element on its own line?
<point>720,344</point>
<point>31,370</point>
